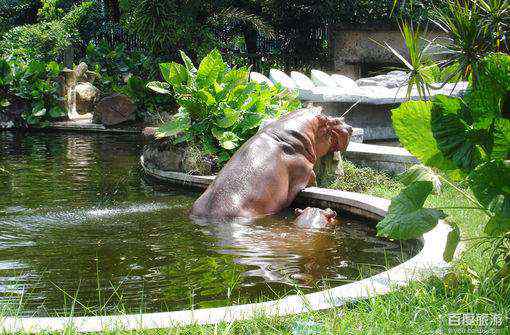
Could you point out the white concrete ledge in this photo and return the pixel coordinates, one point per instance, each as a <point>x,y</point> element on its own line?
<point>380,157</point>
<point>429,261</point>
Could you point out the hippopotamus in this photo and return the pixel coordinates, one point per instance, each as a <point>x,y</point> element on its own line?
<point>316,218</point>
<point>267,172</point>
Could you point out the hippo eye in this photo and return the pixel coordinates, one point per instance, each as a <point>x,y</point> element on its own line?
<point>289,150</point>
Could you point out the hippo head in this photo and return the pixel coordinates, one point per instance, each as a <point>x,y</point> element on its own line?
<point>333,135</point>
<point>312,217</point>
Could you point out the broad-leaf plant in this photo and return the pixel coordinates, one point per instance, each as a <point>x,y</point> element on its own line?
<point>219,107</point>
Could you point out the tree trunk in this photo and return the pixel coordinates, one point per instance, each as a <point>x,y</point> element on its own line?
<point>250,39</point>
<point>113,10</point>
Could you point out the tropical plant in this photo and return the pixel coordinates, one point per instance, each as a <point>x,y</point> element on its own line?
<point>48,40</point>
<point>128,73</point>
<point>219,106</point>
<point>37,84</point>
<point>455,140</point>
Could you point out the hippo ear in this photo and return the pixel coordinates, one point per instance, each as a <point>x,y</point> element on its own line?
<point>298,211</point>
<point>331,214</point>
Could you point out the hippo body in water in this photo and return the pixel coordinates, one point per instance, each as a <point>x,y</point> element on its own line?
<point>265,175</point>
<point>315,218</point>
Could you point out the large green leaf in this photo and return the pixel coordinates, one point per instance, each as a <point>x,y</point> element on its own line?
<point>174,73</point>
<point>187,62</point>
<point>251,121</point>
<point>411,121</point>
<point>489,180</point>
<point>500,222</point>
<point>210,68</point>
<point>406,218</point>
<point>453,136</point>
<point>227,139</point>
<point>179,123</point>
<point>230,117</point>
<point>501,132</point>
<point>57,111</point>
<point>205,97</point>
<point>53,68</point>
<point>159,87</point>
<point>420,172</point>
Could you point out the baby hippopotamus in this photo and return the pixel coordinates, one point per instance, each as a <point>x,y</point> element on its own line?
<point>316,218</point>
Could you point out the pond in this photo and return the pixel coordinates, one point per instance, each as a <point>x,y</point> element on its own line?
<point>83,233</point>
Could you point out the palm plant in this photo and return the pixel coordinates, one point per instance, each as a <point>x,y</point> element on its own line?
<point>418,63</point>
<point>467,37</point>
<point>496,16</point>
<point>472,29</point>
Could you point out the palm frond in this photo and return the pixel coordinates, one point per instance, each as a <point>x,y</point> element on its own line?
<point>233,15</point>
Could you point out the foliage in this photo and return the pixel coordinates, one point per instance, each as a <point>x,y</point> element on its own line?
<point>356,179</point>
<point>17,12</point>
<point>47,40</point>
<point>50,10</point>
<point>472,138</point>
<point>219,107</point>
<point>163,27</point>
<point>127,73</point>
<point>37,84</point>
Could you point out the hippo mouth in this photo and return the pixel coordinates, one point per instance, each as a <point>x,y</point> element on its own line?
<point>340,137</point>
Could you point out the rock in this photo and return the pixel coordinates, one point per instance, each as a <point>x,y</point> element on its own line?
<point>367,82</point>
<point>86,94</point>
<point>283,79</point>
<point>163,155</point>
<point>343,81</point>
<point>302,81</point>
<point>260,78</point>
<point>322,79</point>
<point>80,95</point>
<point>378,92</point>
<point>6,125</point>
<point>392,79</point>
<point>311,95</point>
<point>115,109</point>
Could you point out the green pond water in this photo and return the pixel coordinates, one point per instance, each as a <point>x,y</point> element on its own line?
<point>83,233</point>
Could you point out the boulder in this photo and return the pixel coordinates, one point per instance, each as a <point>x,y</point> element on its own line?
<point>184,157</point>
<point>302,81</point>
<point>322,79</point>
<point>115,109</point>
<point>392,79</point>
<point>282,78</point>
<point>260,78</point>
<point>86,94</point>
<point>343,81</point>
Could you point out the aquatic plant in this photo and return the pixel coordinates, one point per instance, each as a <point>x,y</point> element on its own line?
<point>220,107</point>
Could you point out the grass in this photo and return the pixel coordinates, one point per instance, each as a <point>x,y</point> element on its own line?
<point>420,308</point>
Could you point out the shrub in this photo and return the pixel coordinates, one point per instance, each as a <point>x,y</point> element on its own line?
<point>219,107</point>
<point>17,12</point>
<point>45,41</point>
<point>37,84</point>
<point>127,73</point>
<point>164,26</point>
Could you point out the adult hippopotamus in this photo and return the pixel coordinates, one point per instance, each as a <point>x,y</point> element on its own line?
<point>316,218</point>
<point>268,171</point>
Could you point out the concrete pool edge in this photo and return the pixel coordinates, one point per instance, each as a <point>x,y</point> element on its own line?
<point>429,261</point>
